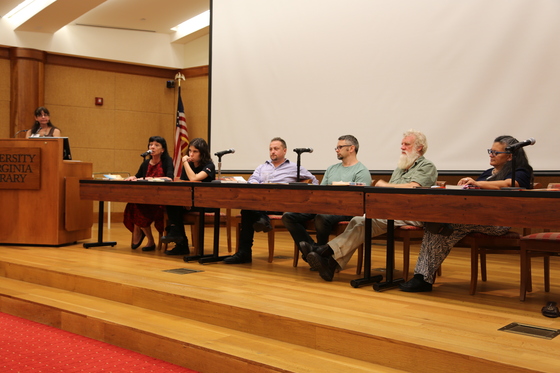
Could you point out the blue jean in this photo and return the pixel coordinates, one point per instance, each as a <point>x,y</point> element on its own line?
<point>295,223</point>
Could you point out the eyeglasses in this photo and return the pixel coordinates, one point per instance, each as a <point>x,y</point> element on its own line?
<point>494,153</point>
<point>340,147</point>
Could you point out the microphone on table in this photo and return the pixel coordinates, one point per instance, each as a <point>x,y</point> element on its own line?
<point>224,152</point>
<point>303,150</point>
<point>148,152</point>
<point>20,131</point>
<point>514,147</point>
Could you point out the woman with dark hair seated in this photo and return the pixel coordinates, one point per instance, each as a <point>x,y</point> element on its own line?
<point>138,218</point>
<point>197,166</point>
<point>435,247</point>
<point>43,126</point>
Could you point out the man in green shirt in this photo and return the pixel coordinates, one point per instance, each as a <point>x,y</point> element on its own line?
<point>413,170</point>
<point>348,170</point>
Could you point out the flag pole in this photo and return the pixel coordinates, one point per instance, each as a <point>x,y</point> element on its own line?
<point>181,134</point>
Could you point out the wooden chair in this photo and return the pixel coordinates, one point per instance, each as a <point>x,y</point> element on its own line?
<point>482,244</point>
<point>275,222</point>
<point>192,219</point>
<point>277,225</point>
<point>337,229</point>
<point>545,244</point>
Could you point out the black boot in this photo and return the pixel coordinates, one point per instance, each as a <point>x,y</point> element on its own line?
<point>238,258</point>
<point>174,234</point>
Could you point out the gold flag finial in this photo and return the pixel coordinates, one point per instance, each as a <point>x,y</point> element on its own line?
<point>178,78</point>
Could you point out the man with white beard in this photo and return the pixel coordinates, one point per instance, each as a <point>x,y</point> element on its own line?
<point>413,170</point>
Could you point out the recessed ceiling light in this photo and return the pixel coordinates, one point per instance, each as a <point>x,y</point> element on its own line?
<point>26,10</point>
<point>194,24</point>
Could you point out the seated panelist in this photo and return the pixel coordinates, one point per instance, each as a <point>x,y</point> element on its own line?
<point>350,169</point>
<point>278,169</point>
<point>413,170</point>
<point>436,246</point>
<point>197,165</point>
<point>138,218</point>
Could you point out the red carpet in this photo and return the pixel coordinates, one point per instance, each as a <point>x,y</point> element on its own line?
<point>27,346</point>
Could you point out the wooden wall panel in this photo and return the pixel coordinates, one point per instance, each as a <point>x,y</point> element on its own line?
<point>143,94</point>
<point>5,85</point>
<point>135,107</point>
<point>113,135</point>
<point>77,87</point>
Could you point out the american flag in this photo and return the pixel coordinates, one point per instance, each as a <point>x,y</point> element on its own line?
<point>181,137</point>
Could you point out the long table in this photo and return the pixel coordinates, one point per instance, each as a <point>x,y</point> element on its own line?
<point>297,197</point>
<point>514,208</point>
<point>500,207</point>
<point>155,193</point>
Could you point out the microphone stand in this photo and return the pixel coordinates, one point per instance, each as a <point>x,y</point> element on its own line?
<point>18,132</point>
<point>219,178</point>
<point>513,169</point>
<point>298,181</point>
<point>298,166</point>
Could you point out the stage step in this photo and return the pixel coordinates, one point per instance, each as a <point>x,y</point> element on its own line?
<point>262,314</point>
<point>194,345</point>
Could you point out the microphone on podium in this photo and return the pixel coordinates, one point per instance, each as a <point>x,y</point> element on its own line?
<point>224,152</point>
<point>148,152</point>
<point>303,150</point>
<point>514,147</point>
<point>20,131</point>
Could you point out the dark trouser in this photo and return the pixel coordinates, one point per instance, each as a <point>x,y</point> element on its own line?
<point>248,218</point>
<point>295,222</point>
<point>175,216</point>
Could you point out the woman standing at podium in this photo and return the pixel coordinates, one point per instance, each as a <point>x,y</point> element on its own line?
<point>43,126</point>
<point>138,218</point>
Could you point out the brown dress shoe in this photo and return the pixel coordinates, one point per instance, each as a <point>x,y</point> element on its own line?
<point>325,265</point>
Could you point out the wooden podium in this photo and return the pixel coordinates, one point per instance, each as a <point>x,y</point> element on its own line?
<point>39,194</point>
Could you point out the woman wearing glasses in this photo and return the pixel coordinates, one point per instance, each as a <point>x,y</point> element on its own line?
<point>436,246</point>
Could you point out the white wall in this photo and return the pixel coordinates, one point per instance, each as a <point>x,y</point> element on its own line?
<point>115,45</point>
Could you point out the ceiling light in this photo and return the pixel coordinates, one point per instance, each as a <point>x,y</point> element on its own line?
<point>26,10</point>
<point>194,24</point>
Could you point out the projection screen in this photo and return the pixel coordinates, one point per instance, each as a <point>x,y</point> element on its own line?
<point>309,71</point>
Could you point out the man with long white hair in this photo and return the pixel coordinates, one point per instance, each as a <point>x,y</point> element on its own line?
<point>413,170</point>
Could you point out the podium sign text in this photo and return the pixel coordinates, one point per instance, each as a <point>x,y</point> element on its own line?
<point>20,168</point>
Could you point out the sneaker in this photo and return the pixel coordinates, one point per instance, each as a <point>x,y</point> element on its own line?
<point>416,285</point>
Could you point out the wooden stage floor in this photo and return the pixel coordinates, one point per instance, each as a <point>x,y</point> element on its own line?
<point>272,317</point>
